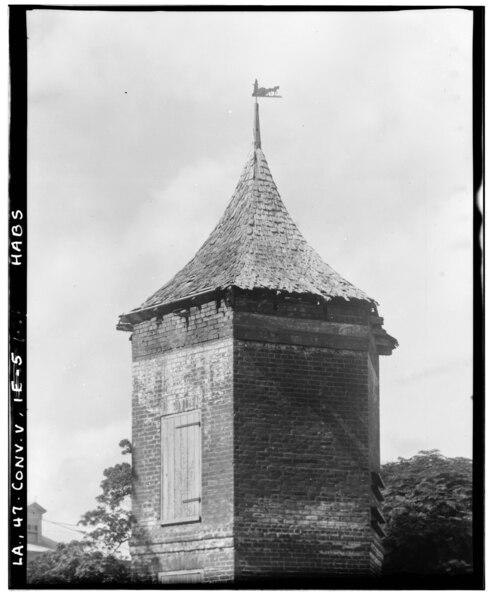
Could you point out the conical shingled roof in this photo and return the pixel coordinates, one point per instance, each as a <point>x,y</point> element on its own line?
<point>256,245</point>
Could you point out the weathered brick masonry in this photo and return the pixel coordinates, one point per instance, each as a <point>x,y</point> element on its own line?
<point>182,362</point>
<point>256,407</point>
<point>290,438</point>
<point>302,443</point>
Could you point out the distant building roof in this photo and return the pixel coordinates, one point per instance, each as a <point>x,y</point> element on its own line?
<point>36,541</point>
<point>255,245</point>
<point>37,507</point>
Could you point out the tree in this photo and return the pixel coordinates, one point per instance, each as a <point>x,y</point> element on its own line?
<point>77,563</point>
<point>428,511</point>
<point>97,560</point>
<point>111,520</point>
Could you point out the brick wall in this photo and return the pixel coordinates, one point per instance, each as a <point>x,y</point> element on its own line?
<point>288,391</point>
<point>374,448</point>
<point>301,455</point>
<point>183,361</point>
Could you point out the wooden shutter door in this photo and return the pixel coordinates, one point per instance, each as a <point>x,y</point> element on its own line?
<point>181,467</point>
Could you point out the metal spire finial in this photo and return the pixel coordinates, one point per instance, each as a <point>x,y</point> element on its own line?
<point>256,128</point>
<point>261,92</point>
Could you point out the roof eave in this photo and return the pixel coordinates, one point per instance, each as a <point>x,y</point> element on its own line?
<point>128,320</point>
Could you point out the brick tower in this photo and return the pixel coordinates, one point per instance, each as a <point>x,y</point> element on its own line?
<point>256,407</point>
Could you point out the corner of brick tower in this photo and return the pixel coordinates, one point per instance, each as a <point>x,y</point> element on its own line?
<point>287,391</point>
<point>306,443</point>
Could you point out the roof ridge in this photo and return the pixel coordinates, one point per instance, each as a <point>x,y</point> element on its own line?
<point>249,209</point>
<point>308,254</point>
<point>255,206</point>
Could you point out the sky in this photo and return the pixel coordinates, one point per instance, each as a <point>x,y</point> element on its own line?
<point>138,128</point>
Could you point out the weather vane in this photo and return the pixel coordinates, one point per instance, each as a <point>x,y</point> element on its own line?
<point>265,92</point>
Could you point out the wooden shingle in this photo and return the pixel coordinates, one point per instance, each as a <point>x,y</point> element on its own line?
<point>256,245</point>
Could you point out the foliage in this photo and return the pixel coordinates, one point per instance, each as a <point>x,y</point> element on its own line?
<point>95,560</point>
<point>77,563</point>
<point>428,510</point>
<point>110,521</point>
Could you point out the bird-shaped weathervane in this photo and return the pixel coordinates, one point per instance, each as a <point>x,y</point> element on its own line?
<point>265,92</point>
